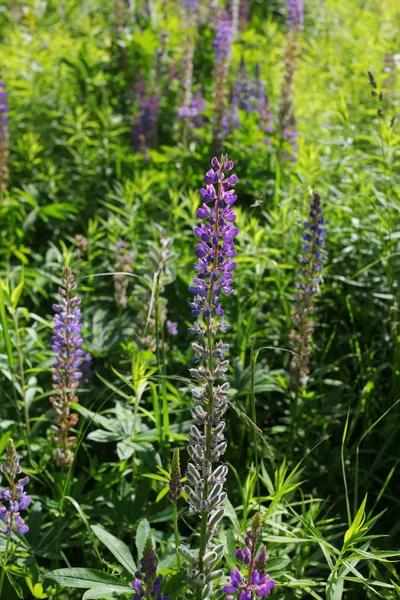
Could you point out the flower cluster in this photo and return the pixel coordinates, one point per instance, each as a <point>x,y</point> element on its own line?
<point>205,478</point>
<point>145,123</point>
<point>147,583</point>
<point>13,494</point>
<point>307,287</point>
<point>287,117</point>
<point>194,111</point>
<point>67,344</point>
<point>257,582</point>
<point>3,135</point>
<point>222,56</point>
<point>172,327</point>
<point>295,15</point>
<point>175,485</point>
<point>123,264</point>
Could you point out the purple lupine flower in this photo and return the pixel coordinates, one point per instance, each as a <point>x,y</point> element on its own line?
<point>258,586</point>
<point>147,582</point>
<point>3,135</point>
<point>222,56</point>
<point>13,494</point>
<point>295,15</point>
<point>67,373</point>
<point>198,107</point>
<point>172,327</point>
<point>145,123</point>
<point>215,251</point>
<point>191,6</point>
<point>257,582</point>
<point>244,14</point>
<point>175,485</point>
<point>223,40</point>
<point>287,118</point>
<point>215,263</point>
<point>307,287</point>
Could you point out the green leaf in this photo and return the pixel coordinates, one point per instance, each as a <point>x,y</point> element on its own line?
<point>118,548</point>
<point>16,293</point>
<point>142,533</point>
<point>163,493</point>
<point>102,591</point>
<point>334,588</point>
<point>357,523</point>
<point>78,577</point>
<point>156,477</point>
<point>15,584</point>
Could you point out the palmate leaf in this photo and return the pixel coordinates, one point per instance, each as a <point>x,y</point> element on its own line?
<point>117,547</point>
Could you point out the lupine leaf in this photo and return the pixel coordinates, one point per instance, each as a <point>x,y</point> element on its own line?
<point>117,547</point>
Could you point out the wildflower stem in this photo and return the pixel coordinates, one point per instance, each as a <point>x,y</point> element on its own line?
<point>176,533</point>
<point>22,374</point>
<point>3,570</point>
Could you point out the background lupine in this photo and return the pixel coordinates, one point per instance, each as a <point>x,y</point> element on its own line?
<point>307,287</point>
<point>287,117</point>
<point>3,135</point>
<point>13,498</point>
<point>222,57</point>
<point>67,343</point>
<point>175,485</point>
<point>145,123</point>
<point>256,583</point>
<point>215,253</point>
<point>147,584</point>
<point>188,108</point>
<point>123,264</point>
<point>235,15</point>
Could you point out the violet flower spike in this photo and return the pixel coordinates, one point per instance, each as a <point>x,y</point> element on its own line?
<point>307,288</point>
<point>3,135</point>
<point>13,495</point>
<point>222,57</point>
<point>295,15</point>
<point>214,273</point>
<point>147,583</point>
<point>67,373</point>
<point>256,583</point>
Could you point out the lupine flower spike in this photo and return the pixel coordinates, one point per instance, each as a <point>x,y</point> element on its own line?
<point>175,485</point>
<point>256,583</point>
<point>13,498</point>
<point>67,343</point>
<point>3,135</point>
<point>287,118</point>
<point>307,288</point>
<point>145,123</point>
<point>215,253</point>
<point>222,54</point>
<point>147,584</point>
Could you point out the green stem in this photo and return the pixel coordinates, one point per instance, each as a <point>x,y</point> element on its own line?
<point>176,533</point>
<point>22,375</point>
<point>3,570</point>
<point>253,359</point>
